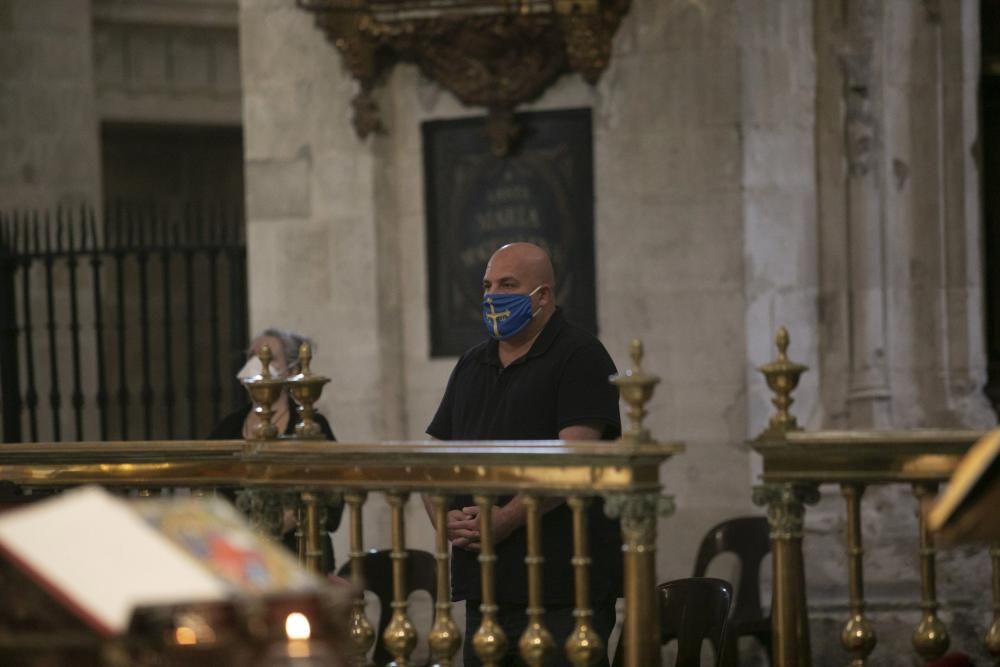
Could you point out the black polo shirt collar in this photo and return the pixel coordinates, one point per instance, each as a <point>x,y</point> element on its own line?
<point>556,323</point>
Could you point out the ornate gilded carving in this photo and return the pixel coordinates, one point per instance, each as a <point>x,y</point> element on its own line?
<point>497,56</point>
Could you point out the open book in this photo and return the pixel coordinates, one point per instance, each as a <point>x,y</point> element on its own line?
<point>100,556</point>
<point>969,508</point>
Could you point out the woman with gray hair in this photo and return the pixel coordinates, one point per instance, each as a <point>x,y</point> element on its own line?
<point>284,346</point>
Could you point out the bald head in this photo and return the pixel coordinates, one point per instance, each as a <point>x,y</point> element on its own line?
<point>525,261</point>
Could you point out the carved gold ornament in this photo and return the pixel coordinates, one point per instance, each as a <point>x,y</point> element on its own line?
<point>490,53</point>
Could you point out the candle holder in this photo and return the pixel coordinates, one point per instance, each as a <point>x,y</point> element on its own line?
<point>636,388</point>
<point>305,388</point>
<point>264,390</point>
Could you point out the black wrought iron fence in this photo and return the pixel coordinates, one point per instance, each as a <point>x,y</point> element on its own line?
<point>127,326</point>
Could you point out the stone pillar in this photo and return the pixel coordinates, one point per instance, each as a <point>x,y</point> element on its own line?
<point>868,387</point>
<point>49,140</point>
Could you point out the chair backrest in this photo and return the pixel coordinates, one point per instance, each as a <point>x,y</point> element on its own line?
<point>749,539</point>
<point>421,575</point>
<point>691,611</point>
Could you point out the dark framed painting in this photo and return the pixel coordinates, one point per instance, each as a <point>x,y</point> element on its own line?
<point>541,192</point>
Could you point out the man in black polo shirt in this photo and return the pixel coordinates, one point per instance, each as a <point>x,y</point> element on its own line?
<point>537,377</point>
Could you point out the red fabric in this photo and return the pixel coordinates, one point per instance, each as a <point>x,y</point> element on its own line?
<point>951,660</point>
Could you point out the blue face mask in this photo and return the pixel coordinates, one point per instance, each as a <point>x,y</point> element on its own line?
<point>505,315</point>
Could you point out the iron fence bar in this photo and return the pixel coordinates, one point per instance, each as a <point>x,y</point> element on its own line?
<point>119,254</point>
<point>213,282</point>
<point>74,329</point>
<point>237,303</point>
<point>31,391</point>
<point>192,366</point>
<point>142,257</point>
<point>8,331</point>
<point>95,268</point>
<point>55,398</point>
<point>168,359</point>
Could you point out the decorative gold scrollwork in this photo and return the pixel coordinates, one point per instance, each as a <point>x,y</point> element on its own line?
<point>496,59</point>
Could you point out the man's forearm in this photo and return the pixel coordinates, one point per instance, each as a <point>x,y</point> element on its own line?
<point>514,514</point>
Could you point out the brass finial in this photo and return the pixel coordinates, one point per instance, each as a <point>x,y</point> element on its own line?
<point>306,388</point>
<point>265,357</point>
<point>782,378</point>
<point>636,387</point>
<point>264,390</point>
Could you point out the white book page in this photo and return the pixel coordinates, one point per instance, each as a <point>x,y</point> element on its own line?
<point>95,553</point>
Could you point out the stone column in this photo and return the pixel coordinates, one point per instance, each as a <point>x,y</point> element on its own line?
<point>868,385</point>
<point>49,140</point>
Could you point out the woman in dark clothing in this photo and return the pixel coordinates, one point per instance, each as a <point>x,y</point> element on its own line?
<point>284,346</point>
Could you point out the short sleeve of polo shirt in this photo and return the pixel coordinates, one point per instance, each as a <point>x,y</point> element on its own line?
<point>441,426</point>
<point>586,397</point>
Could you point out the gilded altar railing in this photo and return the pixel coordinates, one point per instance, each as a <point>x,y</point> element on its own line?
<point>796,463</point>
<point>625,473</point>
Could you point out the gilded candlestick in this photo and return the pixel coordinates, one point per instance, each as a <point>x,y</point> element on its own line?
<point>636,388</point>
<point>306,387</point>
<point>264,390</point>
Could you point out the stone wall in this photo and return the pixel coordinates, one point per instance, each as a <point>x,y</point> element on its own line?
<point>49,150</point>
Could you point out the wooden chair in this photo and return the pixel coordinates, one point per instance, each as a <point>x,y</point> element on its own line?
<point>691,611</point>
<point>748,538</point>
<point>421,575</point>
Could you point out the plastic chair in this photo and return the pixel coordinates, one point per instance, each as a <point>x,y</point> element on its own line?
<point>749,539</point>
<point>691,611</point>
<point>421,575</point>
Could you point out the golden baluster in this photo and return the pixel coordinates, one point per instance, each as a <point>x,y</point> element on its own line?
<point>789,608</point>
<point>583,647</point>
<point>361,632</point>
<point>314,553</point>
<point>930,638</point>
<point>993,634</point>
<point>857,637</point>
<point>489,641</point>
<point>536,643</point>
<point>300,536</point>
<point>444,637</point>
<point>638,513</point>
<point>400,637</point>
<point>786,513</point>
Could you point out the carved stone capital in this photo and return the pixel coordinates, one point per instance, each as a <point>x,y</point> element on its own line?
<point>638,513</point>
<point>786,507</point>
